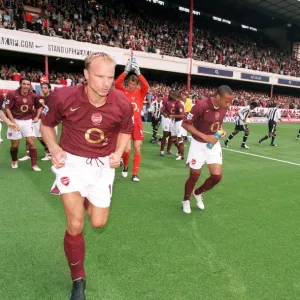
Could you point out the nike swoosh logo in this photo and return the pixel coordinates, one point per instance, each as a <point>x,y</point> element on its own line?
<point>74,109</point>
<point>76,263</point>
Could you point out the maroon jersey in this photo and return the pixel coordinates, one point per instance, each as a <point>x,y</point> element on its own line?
<point>22,107</point>
<point>88,131</point>
<point>179,110</point>
<point>168,107</point>
<point>205,118</point>
<point>1,101</point>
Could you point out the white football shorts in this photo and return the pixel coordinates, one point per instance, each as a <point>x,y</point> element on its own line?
<point>26,130</point>
<point>166,124</point>
<point>93,178</point>
<point>176,128</point>
<point>199,154</point>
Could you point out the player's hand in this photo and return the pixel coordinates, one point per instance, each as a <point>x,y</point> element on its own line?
<point>136,68</point>
<point>127,67</point>
<point>58,157</point>
<point>42,102</point>
<point>211,139</point>
<point>13,126</point>
<point>224,133</point>
<point>114,160</point>
<point>35,120</point>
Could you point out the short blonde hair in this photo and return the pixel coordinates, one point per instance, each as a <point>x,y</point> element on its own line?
<point>106,57</point>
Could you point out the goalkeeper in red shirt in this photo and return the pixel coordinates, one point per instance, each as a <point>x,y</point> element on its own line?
<point>136,95</point>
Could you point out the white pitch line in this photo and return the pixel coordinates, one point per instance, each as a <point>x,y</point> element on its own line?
<point>255,155</point>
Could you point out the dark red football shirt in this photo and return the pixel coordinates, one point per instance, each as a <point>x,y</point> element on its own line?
<point>205,118</point>
<point>179,110</point>
<point>168,107</point>
<point>22,107</point>
<point>1,101</point>
<point>88,131</point>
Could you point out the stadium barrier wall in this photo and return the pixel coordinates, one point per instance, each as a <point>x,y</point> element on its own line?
<point>25,42</point>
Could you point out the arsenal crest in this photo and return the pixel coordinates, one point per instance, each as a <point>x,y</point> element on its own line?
<point>217,115</point>
<point>24,100</point>
<point>96,118</point>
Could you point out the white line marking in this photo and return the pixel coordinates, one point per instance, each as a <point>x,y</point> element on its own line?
<point>265,157</point>
<point>255,155</point>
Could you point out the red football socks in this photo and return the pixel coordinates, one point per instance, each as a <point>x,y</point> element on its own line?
<point>170,142</point>
<point>181,148</point>
<point>189,185</point>
<point>33,156</point>
<point>75,251</point>
<point>14,154</point>
<point>163,143</point>
<point>136,164</point>
<point>126,156</point>
<point>209,183</point>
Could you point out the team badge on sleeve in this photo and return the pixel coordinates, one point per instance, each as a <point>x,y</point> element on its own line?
<point>45,110</point>
<point>190,116</point>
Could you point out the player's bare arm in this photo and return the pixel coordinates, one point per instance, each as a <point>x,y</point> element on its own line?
<point>9,115</point>
<point>10,124</point>
<point>49,137</point>
<point>114,158</point>
<point>38,114</point>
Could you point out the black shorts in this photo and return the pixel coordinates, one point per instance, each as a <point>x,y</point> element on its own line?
<point>240,127</point>
<point>272,126</point>
<point>155,123</point>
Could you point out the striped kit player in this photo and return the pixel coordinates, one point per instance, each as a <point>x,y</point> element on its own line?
<point>241,125</point>
<point>155,109</point>
<point>274,115</point>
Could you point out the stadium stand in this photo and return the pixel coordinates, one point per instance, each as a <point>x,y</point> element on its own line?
<point>125,25</point>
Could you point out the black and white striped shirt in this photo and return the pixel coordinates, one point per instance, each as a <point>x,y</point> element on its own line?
<point>155,108</point>
<point>274,114</point>
<point>243,114</point>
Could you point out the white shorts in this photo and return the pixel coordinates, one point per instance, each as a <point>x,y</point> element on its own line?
<point>176,128</point>
<point>26,130</point>
<point>166,123</point>
<point>92,178</point>
<point>199,154</point>
<point>183,132</point>
<point>37,129</point>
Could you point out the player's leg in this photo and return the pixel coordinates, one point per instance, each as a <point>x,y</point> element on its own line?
<point>125,157</point>
<point>245,137</point>
<point>74,245</point>
<point>47,152</point>
<point>195,160</point>
<point>274,133</point>
<point>154,131</point>
<point>26,156</point>
<point>298,135</point>
<point>214,162</point>
<point>271,129</point>
<point>136,159</point>
<point>14,153</point>
<point>32,153</point>
<point>232,134</point>
<point>14,136</point>
<point>166,134</point>
<point>180,144</point>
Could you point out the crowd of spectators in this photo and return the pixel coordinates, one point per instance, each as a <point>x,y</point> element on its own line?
<point>120,24</point>
<point>241,97</point>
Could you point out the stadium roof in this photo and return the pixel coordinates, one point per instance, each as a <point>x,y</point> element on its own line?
<point>257,13</point>
<point>288,10</point>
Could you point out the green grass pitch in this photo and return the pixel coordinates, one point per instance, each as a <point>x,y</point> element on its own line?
<point>244,246</point>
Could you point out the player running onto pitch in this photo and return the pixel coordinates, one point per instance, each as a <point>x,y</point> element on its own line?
<point>136,97</point>
<point>96,127</point>
<point>241,125</point>
<point>204,120</point>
